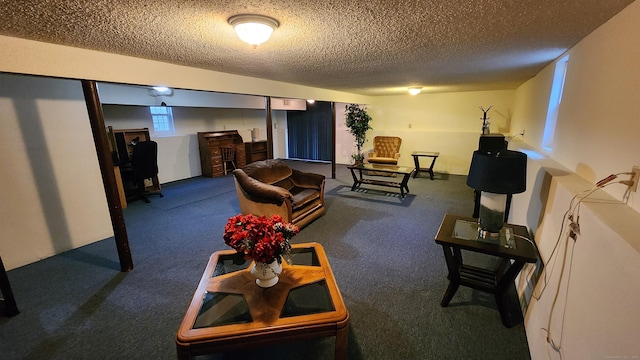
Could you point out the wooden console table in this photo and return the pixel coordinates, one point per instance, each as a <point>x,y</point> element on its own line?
<point>416,160</point>
<point>458,233</point>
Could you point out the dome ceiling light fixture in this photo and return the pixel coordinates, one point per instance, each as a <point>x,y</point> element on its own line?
<point>415,90</point>
<point>253,29</point>
<point>160,91</point>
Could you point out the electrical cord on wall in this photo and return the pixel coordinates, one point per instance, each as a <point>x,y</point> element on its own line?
<point>574,224</point>
<point>571,218</point>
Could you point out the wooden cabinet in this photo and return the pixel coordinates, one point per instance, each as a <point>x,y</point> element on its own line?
<point>256,151</point>
<point>209,144</point>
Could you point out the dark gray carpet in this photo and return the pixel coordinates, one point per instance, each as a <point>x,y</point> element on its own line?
<point>77,305</point>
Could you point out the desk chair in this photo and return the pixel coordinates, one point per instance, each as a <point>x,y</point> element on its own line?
<point>144,165</point>
<point>228,156</point>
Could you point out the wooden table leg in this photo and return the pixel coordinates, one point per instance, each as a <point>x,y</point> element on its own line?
<point>405,184</point>
<point>433,161</point>
<point>356,182</point>
<point>183,352</point>
<point>342,339</point>
<point>509,318</point>
<point>453,264</point>
<point>9,302</point>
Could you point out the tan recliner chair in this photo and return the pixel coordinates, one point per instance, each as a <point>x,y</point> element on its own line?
<point>386,150</point>
<point>271,187</point>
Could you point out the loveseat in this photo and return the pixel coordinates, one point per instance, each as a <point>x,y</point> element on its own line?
<point>272,187</point>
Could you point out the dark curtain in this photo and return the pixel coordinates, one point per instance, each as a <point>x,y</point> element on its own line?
<point>310,132</point>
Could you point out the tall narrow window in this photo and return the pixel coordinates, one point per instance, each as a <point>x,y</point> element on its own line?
<point>162,117</point>
<point>554,103</point>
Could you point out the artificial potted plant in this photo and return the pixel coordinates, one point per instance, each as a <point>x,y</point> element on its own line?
<point>358,123</point>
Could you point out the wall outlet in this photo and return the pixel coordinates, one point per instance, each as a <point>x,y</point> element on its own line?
<point>635,178</point>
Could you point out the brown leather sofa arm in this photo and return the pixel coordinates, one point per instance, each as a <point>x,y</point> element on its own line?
<point>307,180</point>
<point>260,191</point>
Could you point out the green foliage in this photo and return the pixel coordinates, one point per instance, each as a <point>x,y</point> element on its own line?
<point>357,158</point>
<point>358,123</point>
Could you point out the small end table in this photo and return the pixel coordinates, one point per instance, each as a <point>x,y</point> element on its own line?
<point>416,160</point>
<point>458,233</point>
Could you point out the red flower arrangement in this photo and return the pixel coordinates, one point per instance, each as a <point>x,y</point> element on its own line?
<point>260,239</point>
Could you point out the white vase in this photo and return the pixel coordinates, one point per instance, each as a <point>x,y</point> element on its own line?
<point>266,274</point>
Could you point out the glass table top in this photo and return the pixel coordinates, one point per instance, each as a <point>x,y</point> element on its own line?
<point>221,308</point>
<point>468,230</point>
<point>387,168</point>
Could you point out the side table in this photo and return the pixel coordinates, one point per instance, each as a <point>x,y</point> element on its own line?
<point>416,160</point>
<point>458,233</point>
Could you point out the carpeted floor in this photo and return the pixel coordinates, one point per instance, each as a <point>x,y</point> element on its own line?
<point>77,305</point>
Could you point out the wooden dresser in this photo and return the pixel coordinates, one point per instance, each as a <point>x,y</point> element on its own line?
<point>210,154</point>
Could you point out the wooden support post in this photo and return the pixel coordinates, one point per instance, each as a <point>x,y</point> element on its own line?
<point>96,118</point>
<point>333,140</point>
<point>269,121</point>
<point>8,305</point>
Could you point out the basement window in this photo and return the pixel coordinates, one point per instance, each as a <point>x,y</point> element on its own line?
<point>162,117</point>
<point>555,99</point>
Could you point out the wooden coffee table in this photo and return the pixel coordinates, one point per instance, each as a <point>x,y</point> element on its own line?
<point>229,311</point>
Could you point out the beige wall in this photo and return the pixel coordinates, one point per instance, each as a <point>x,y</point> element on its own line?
<point>178,155</point>
<point>588,296</point>
<point>448,123</point>
<point>599,116</point>
<point>51,186</point>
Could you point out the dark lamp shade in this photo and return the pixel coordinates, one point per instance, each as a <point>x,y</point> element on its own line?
<point>501,172</point>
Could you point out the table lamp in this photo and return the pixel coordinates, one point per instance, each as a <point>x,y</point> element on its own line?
<point>496,174</point>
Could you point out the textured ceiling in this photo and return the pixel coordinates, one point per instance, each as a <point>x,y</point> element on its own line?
<point>373,47</point>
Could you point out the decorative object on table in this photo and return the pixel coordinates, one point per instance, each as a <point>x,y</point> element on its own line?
<point>266,275</point>
<point>357,120</point>
<point>255,133</point>
<point>485,120</point>
<point>497,174</point>
<point>261,239</point>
